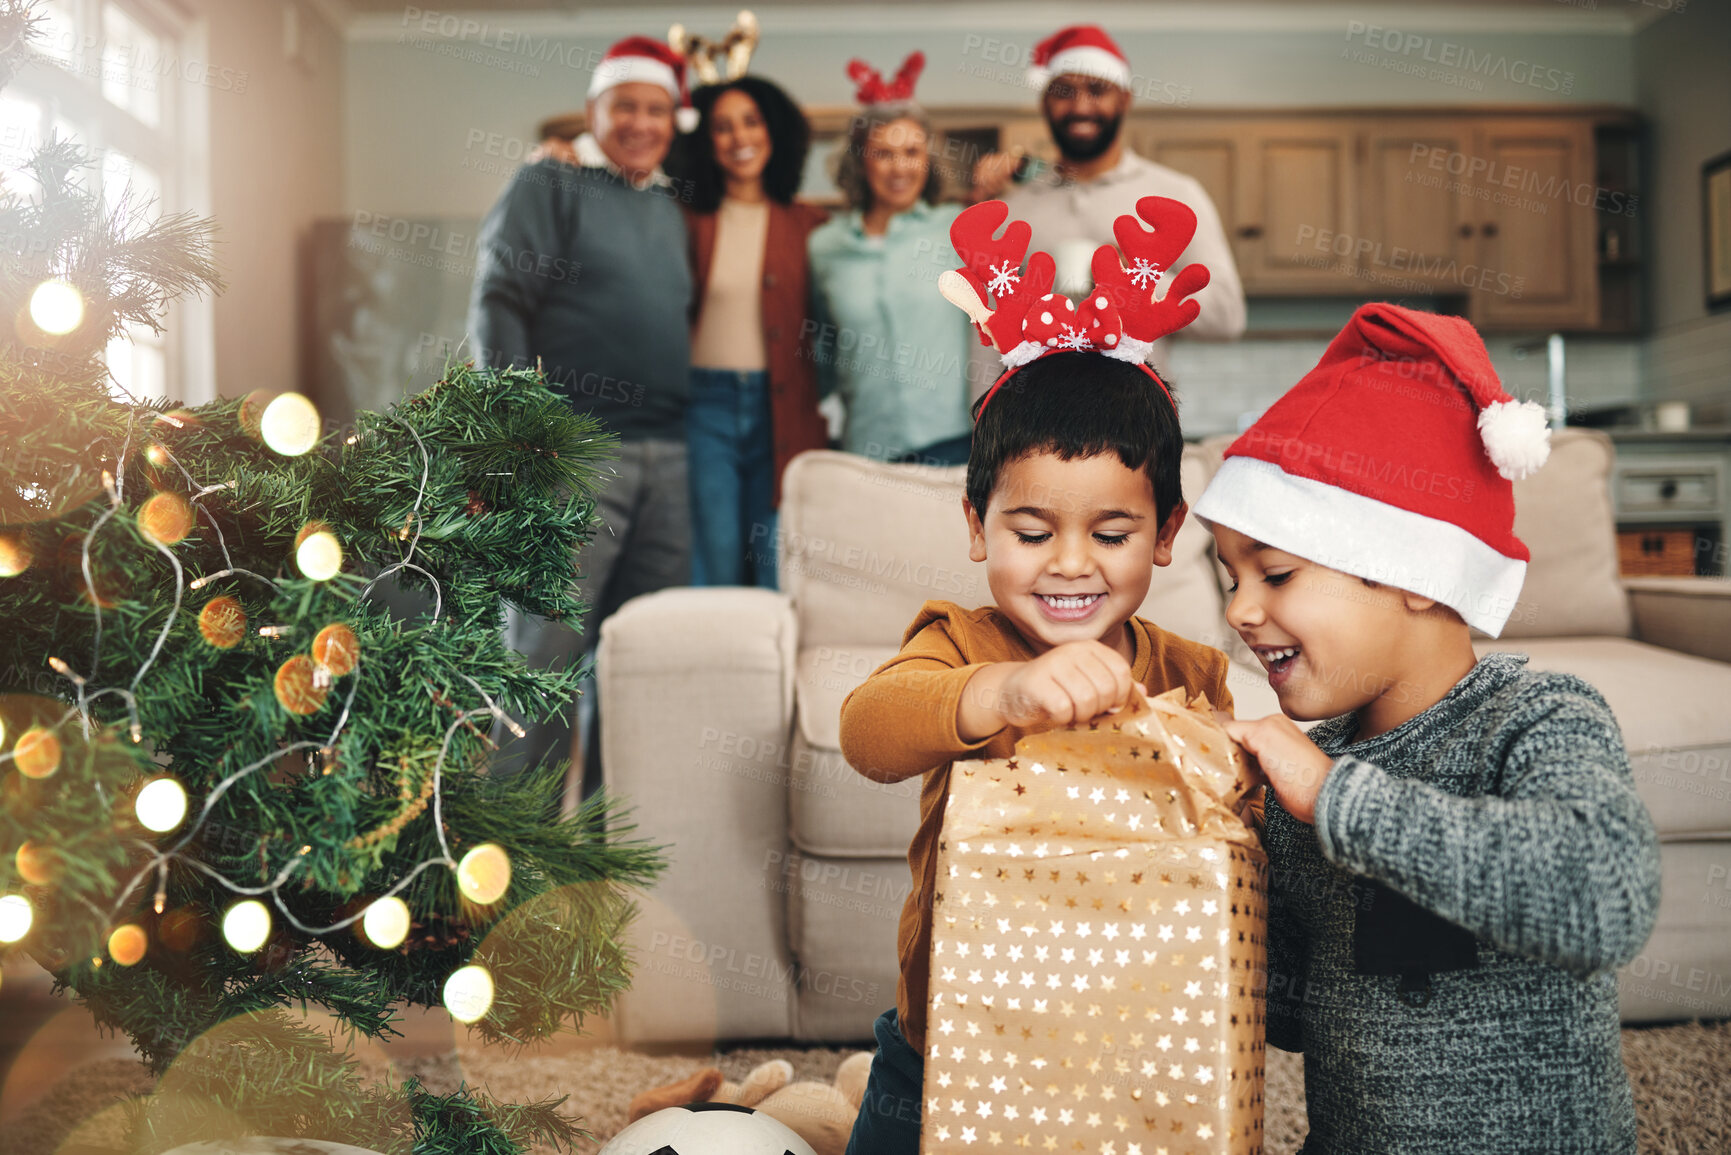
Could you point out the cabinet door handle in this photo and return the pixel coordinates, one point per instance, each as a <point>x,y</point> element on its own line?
<point>1250,232</point>
<point>1489,228</point>
<point>1466,230</point>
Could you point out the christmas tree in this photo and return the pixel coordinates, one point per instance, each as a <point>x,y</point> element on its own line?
<point>238,782</point>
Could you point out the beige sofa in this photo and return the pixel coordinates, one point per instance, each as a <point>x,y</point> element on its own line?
<point>777,918</point>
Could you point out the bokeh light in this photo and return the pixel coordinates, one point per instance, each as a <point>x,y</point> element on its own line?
<point>15,917</point>
<point>246,925</point>
<point>161,805</point>
<point>37,754</point>
<point>290,425</point>
<point>469,993</point>
<point>127,944</point>
<point>337,649</point>
<point>386,923</point>
<point>166,517</point>
<point>484,874</point>
<point>36,863</point>
<point>57,307</point>
<point>15,554</point>
<point>320,555</point>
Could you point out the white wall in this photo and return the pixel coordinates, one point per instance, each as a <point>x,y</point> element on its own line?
<point>439,102</point>
<point>1684,64</point>
<point>276,151</point>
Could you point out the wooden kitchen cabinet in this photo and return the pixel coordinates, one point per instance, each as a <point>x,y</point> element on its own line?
<point>1421,216</point>
<point>1536,226</point>
<point>1497,209</point>
<point>1284,189</point>
<point>1297,196</point>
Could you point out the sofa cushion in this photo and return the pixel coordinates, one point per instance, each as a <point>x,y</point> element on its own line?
<point>1684,971</point>
<point>823,678</point>
<point>1671,708</point>
<point>1563,513</point>
<point>841,923</point>
<point>864,544</point>
<point>833,809</point>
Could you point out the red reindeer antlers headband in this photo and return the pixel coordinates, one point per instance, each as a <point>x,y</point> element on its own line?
<point>1120,316</point>
<point>871,88</point>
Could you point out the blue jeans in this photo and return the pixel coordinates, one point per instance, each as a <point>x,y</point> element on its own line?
<point>889,1116</point>
<point>732,463</point>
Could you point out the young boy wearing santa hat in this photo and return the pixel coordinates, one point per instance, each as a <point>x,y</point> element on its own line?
<point>1459,859</point>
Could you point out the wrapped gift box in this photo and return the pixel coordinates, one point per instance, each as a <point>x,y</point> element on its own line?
<point>1097,949</point>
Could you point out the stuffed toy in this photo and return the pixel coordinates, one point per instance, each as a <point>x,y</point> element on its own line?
<point>820,1113</point>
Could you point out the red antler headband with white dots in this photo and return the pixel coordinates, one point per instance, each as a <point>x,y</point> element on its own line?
<point>1120,317</point>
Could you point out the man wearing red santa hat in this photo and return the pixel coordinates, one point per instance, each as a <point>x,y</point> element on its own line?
<point>583,270</point>
<point>1085,85</point>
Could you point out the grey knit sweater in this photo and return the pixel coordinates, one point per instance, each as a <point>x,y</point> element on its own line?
<point>1507,809</point>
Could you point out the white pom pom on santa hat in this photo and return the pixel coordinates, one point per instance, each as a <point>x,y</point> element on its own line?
<point>1517,437</point>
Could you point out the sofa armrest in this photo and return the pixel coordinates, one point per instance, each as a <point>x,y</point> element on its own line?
<point>1691,615</point>
<point>695,691</point>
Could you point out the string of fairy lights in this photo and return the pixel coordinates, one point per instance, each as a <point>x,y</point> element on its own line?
<point>289,424</point>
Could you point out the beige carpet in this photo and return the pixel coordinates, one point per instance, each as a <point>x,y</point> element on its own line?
<point>1681,1076</point>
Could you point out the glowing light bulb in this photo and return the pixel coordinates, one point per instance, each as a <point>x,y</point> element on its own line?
<point>15,554</point>
<point>386,923</point>
<point>127,944</point>
<point>320,555</point>
<point>469,993</point>
<point>290,425</point>
<point>161,805</point>
<point>57,307</point>
<point>16,916</point>
<point>246,925</point>
<point>484,874</point>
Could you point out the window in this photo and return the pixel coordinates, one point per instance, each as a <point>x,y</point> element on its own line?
<point>110,81</point>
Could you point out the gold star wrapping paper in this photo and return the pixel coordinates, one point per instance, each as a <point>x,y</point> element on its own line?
<point>1097,948</point>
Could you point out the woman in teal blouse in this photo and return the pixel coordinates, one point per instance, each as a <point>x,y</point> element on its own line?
<point>883,341</point>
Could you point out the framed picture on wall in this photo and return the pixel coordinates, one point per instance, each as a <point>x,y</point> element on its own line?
<point>1716,230</point>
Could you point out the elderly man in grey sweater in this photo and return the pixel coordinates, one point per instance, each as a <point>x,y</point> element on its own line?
<point>584,270</point>
<point>1459,858</point>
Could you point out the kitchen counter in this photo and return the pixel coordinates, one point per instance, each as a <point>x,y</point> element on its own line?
<point>1698,435</point>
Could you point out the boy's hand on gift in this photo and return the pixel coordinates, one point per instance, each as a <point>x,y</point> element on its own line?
<point>1292,764</point>
<point>1073,682</point>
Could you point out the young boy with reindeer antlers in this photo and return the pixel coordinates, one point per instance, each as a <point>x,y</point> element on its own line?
<point>1072,499</point>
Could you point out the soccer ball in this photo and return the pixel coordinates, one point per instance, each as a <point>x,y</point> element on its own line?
<point>707,1129</point>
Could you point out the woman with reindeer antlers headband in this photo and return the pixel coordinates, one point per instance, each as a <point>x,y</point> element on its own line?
<point>753,384</point>
<point>897,365</point>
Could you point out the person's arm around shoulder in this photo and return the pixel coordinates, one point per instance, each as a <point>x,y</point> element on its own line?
<point>810,216</point>
<point>520,238</point>
<point>820,324</point>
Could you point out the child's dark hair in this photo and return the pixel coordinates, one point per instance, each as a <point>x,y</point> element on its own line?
<point>1079,405</point>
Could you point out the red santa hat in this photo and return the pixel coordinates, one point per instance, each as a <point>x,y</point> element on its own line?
<point>1392,461</point>
<point>1084,49</point>
<point>644,60</point>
